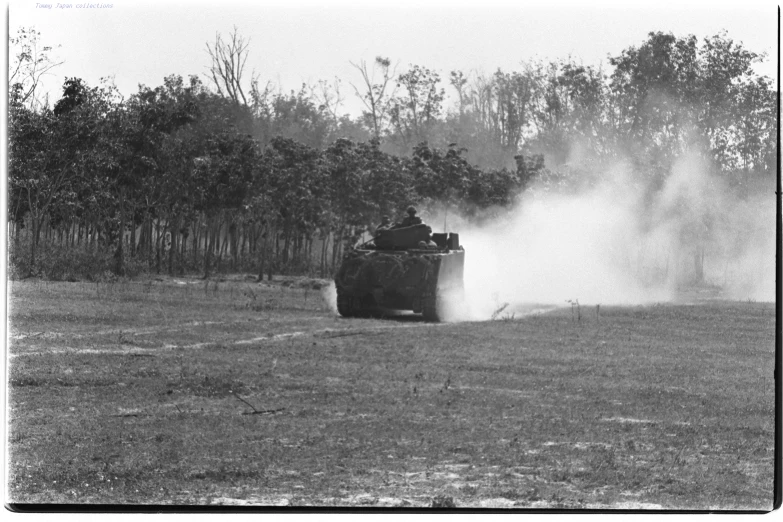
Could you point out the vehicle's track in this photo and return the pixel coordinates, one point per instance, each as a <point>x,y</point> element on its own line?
<point>325,333</point>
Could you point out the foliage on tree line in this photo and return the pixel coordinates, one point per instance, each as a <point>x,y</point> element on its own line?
<point>171,168</point>
<point>194,179</point>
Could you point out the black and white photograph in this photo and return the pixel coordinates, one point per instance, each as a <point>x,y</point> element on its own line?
<point>410,257</point>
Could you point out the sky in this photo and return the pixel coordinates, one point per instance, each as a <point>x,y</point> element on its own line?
<point>302,41</point>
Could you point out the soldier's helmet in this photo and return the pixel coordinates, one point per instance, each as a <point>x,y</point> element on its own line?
<point>385,219</point>
<point>411,210</point>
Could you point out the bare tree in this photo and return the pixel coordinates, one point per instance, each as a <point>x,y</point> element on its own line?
<point>375,97</point>
<point>329,97</point>
<point>459,82</point>
<point>228,65</point>
<point>31,62</point>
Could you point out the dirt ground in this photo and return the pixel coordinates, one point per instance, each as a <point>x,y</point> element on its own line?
<point>186,392</point>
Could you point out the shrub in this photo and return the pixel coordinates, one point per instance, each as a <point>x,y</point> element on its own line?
<point>55,263</point>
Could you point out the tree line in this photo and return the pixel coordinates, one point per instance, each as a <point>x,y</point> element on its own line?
<point>227,175</point>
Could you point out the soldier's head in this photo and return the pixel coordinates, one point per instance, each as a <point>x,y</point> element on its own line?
<point>385,220</point>
<point>411,211</point>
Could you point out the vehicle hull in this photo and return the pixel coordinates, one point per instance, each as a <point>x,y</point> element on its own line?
<point>416,280</point>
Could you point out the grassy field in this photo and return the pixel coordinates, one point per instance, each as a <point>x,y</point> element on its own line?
<point>178,391</point>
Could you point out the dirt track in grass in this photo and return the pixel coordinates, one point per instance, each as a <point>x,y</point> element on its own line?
<point>185,392</point>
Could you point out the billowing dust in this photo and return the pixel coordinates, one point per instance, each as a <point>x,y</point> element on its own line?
<point>615,241</point>
<point>329,295</point>
<point>618,242</point>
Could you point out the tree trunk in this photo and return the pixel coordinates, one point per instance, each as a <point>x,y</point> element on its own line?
<point>35,222</point>
<point>173,246</point>
<point>272,233</point>
<point>234,244</point>
<point>211,244</point>
<point>194,242</point>
<point>183,252</point>
<point>698,262</point>
<point>337,245</point>
<point>244,242</point>
<point>220,245</point>
<point>286,241</point>
<point>142,238</point>
<point>158,240</point>
<point>133,232</point>
<point>324,245</point>
<point>263,255</point>
<point>150,240</point>
<point>196,239</point>
<point>119,267</point>
<point>17,236</point>
<point>309,251</point>
<point>209,238</point>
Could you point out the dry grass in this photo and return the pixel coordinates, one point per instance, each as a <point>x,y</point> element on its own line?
<point>161,393</point>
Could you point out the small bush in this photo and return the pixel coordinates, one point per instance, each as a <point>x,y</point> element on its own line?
<point>55,263</point>
<point>58,264</point>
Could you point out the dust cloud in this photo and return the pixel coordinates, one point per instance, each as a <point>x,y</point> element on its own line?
<point>329,296</point>
<point>618,241</point>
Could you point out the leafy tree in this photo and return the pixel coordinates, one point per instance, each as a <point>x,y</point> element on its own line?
<point>296,115</point>
<point>569,109</point>
<point>32,181</point>
<point>160,147</point>
<point>513,95</point>
<point>490,192</point>
<point>528,169</point>
<point>655,89</point>
<point>221,180</point>
<point>414,113</point>
<point>390,183</point>
<point>52,153</point>
<point>298,191</point>
<point>669,94</point>
<point>441,178</point>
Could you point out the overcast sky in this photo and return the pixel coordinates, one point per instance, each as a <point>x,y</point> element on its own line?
<point>142,42</point>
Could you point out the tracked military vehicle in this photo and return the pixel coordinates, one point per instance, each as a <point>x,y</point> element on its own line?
<point>404,268</point>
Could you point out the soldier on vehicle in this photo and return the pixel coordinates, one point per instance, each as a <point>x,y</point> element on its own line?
<point>411,218</point>
<point>352,239</point>
<point>428,245</point>
<point>386,224</point>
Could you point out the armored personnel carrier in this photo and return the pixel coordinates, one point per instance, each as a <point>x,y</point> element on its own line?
<point>402,269</point>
